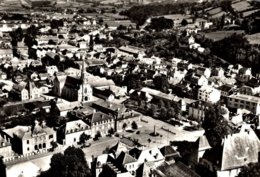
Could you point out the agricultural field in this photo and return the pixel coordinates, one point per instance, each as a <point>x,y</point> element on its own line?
<point>219,35</point>
<point>254,38</point>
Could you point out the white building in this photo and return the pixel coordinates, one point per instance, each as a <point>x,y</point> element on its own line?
<point>209,94</point>
<point>70,132</point>
<point>242,101</point>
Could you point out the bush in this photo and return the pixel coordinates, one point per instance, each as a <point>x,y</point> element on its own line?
<point>134,125</point>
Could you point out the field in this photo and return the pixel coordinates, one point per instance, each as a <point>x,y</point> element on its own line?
<point>219,35</point>
<point>254,38</point>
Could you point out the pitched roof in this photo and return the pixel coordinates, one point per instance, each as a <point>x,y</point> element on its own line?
<point>168,150</point>
<point>73,83</point>
<point>144,170</point>
<point>240,149</point>
<point>203,143</point>
<point>99,116</point>
<point>75,126</point>
<point>177,170</point>
<point>125,158</point>
<point>149,155</point>
<point>236,151</point>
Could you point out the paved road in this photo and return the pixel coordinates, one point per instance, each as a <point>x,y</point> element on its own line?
<point>175,133</point>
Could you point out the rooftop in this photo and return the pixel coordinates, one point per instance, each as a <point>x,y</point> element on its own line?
<point>245,97</point>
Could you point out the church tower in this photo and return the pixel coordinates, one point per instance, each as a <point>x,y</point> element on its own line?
<point>85,93</point>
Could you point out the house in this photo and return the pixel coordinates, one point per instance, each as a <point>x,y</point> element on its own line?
<point>131,51</point>
<point>244,74</point>
<point>73,72</point>
<point>113,109</point>
<point>61,108</point>
<point>123,145</point>
<point>175,62</point>
<point>147,155</point>
<point>197,110</point>
<point>226,90</point>
<point>198,80</point>
<point>25,92</point>
<point>217,71</point>
<point>246,90</point>
<point>104,94</point>
<point>144,169</point>
<point>116,91</point>
<point>254,83</point>
<point>183,65</point>
<point>209,94</point>
<point>128,162</point>
<point>5,146</point>
<point>250,103</point>
<point>6,53</point>
<point>100,122</point>
<point>203,71</point>
<point>69,133</point>
<point>26,139</point>
<point>170,154</point>
<point>236,151</point>
<point>51,70</point>
<point>98,162</point>
<point>107,165</point>
<point>177,77</point>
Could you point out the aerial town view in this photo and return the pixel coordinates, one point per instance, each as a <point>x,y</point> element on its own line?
<point>129,88</point>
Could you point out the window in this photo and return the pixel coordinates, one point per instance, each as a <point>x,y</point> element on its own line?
<point>28,149</point>
<point>50,136</point>
<point>74,139</point>
<point>28,141</point>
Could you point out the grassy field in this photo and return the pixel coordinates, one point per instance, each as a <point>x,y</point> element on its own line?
<point>219,35</point>
<point>254,38</point>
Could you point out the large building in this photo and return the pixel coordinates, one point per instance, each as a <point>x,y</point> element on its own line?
<point>70,132</point>
<point>236,151</point>
<point>251,103</point>
<point>26,139</point>
<point>73,89</point>
<point>209,94</point>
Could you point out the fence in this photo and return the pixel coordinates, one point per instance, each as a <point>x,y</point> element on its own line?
<point>30,156</point>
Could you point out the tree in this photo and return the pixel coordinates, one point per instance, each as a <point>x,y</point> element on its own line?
<point>70,164</point>
<point>216,127</point>
<point>53,145</point>
<point>163,113</point>
<point>161,83</point>
<point>83,138</point>
<point>160,23</point>
<point>134,125</point>
<point>153,110</point>
<point>184,22</point>
<point>111,131</point>
<point>253,169</point>
<point>97,135</point>
<point>124,126</point>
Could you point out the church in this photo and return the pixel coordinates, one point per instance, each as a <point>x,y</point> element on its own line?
<point>73,89</point>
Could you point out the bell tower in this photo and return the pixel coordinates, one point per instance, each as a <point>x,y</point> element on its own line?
<point>86,89</point>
